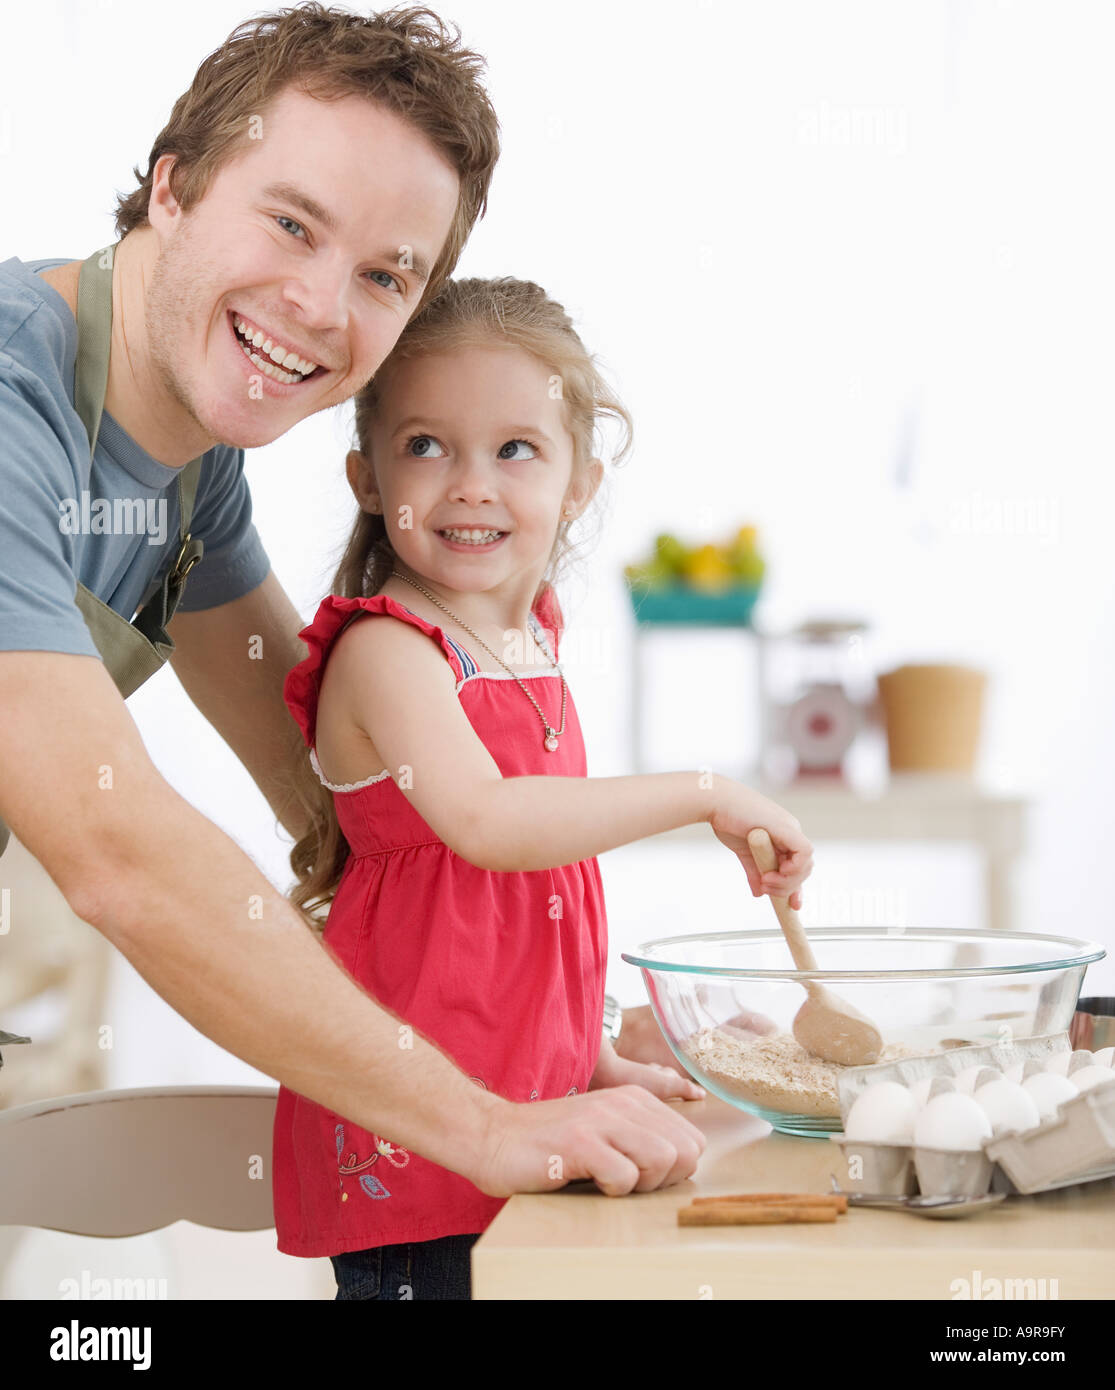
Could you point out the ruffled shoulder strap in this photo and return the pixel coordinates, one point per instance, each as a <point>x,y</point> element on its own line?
<point>303,682</point>
<point>547,611</point>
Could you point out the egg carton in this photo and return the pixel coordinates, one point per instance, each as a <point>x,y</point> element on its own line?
<point>903,1170</point>
<point>1076,1146</point>
<point>853,1080</point>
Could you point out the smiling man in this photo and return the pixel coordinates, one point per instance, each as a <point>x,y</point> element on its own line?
<point>290,276</point>
<point>312,189</point>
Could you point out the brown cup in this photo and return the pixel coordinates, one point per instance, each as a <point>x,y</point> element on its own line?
<point>933,716</point>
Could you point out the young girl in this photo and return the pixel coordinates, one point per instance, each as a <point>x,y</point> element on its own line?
<point>455,830</point>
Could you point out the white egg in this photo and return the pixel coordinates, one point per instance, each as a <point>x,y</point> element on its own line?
<point>883,1114</point>
<point>1008,1106</point>
<point>1049,1091</point>
<point>1087,1077</point>
<point>1058,1063</point>
<point>952,1121</point>
<point>1105,1057</point>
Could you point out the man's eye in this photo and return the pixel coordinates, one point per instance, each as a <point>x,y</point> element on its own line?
<point>291,220</point>
<point>389,277</point>
<point>512,444</point>
<point>422,446</point>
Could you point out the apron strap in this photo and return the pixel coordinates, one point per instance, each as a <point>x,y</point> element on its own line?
<point>156,613</point>
<point>94,308</point>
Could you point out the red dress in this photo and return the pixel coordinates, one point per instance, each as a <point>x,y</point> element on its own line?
<point>504,971</point>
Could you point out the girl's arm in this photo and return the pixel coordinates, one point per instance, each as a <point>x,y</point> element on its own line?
<point>667,1083</point>
<point>397,687</point>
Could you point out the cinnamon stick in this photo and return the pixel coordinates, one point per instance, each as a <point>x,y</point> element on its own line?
<point>798,1199</point>
<point>753,1214</point>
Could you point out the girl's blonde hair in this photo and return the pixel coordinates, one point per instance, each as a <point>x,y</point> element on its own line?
<point>464,313</point>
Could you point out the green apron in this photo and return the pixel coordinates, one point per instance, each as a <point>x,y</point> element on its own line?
<point>132,651</point>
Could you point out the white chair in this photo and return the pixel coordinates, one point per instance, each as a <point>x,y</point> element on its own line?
<point>118,1163</point>
<point>121,1163</point>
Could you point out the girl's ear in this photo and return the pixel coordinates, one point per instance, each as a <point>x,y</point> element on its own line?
<point>362,480</point>
<point>582,492</point>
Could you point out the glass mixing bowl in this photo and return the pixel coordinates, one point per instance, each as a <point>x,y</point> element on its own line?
<point>726,1003</point>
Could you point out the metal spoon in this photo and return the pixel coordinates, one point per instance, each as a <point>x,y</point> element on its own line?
<point>824,1025</point>
<point>925,1206</point>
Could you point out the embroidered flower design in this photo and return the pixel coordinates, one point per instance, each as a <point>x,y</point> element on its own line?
<point>352,1165</point>
<point>391,1153</point>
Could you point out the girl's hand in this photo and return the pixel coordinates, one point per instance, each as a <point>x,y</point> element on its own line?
<point>739,810</point>
<point>665,1082</point>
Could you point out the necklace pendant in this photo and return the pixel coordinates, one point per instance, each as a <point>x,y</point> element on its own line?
<point>551,742</point>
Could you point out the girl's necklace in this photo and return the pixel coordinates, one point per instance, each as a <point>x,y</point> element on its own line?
<point>550,741</point>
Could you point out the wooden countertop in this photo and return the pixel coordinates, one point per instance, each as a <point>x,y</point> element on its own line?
<point>579,1244</point>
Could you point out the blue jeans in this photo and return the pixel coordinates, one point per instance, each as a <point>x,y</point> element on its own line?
<point>419,1269</point>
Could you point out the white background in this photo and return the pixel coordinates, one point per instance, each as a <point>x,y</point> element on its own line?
<point>849,267</point>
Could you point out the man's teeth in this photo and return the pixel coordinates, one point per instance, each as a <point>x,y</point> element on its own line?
<point>284,366</point>
<point>467,537</point>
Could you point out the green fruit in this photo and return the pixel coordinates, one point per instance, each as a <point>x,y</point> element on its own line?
<point>744,558</point>
<point>648,577</point>
<point>748,568</point>
<point>670,552</point>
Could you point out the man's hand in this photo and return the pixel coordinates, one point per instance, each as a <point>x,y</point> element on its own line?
<point>232,661</point>
<point>624,1139</point>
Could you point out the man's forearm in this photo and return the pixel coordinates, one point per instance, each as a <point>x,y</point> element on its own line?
<point>289,811</point>
<point>208,932</point>
<point>232,661</point>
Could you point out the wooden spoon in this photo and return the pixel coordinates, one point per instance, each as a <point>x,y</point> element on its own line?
<point>824,1025</point>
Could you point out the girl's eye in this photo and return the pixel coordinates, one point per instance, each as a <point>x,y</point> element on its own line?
<point>280,219</point>
<point>421,445</point>
<point>512,444</point>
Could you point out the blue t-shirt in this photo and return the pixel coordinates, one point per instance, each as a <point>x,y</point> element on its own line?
<point>110,522</point>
